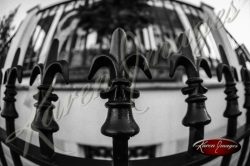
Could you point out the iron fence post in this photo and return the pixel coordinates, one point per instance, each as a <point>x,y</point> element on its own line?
<point>44,122</point>
<point>119,124</point>
<point>245,75</point>
<point>196,117</point>
<point>9,110</point>
<point>232,109</point>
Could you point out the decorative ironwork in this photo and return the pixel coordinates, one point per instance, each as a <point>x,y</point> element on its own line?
<point>196,117</point>
<point>232,109</point>
<point>44,122</point>
<point>120,124</point>
<point>9,110</point>
<point>245,75</point>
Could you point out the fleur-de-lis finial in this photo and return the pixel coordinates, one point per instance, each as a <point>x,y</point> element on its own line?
<point>44,122</point>
<point>9,111</point>
<point>194,81</point>
<point>119,123</point>
<point>119,94</point>
<point>186,59</point>
<point>10,76</point>
<point>196,117</point>
<point>232,110</point>
<point>51,68</point>
<point>15,71</point>
<point>118,62</point>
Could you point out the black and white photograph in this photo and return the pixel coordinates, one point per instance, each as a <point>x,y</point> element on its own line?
<point>124,83</point>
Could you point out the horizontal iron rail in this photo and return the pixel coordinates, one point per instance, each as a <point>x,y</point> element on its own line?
<point>33,154</point>
<point>180,159</point>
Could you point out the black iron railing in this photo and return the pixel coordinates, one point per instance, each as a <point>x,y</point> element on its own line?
<point>120,124</point>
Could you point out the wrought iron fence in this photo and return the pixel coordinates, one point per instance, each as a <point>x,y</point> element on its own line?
<point>120,124</point>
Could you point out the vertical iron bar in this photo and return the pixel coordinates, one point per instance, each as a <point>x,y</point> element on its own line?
<point>119,124</point>
<point>44,122</point>
<point>232,108</point>
<point>120,151</point>
<point>9,110</point>
<point>232,112</point>
<point>245,73</point>
<point>226,160</point>
<point>232,127</point>
<point>195,134</point>
<point>46,144</point>
<point>197,116</point>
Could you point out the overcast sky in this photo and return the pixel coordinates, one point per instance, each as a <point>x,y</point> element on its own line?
<point>239,27</point>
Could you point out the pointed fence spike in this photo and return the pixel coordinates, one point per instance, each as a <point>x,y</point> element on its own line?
<point>119,45</point>
<point>205,65</point>
<point>138,61</point>
<point>57,67</point>
<point>53,51</point>
<point>184,61</point>
<point>184,46</point>
<point>226,71</point>
<point>103,61</point>
<point>223,55</point>
<point>38,69</point>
